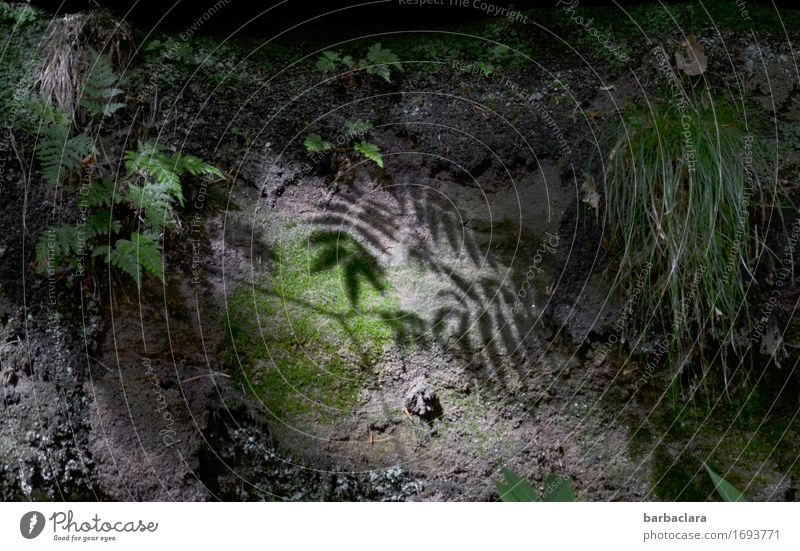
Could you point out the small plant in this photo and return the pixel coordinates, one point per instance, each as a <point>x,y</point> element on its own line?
<point>330,62</point>
<point>485,67</point>
<point>379,61</point>
<point>18,13</point>
<point>315,144</point>
<point>516,489</point>
<point>355,131</point>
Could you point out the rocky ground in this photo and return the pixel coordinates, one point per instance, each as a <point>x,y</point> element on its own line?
<point>348,332</point>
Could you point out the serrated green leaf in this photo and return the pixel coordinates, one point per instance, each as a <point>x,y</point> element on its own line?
<point>486,68</point>
<point>60,154</point>
<point>328,61</point>
<point>379,60</point>
<point>370,151</point>
<point>102,222</point>
<point>139,254</point>
<point>99,193</point>
<point>196,167</point>
<point>315,144</point>
<point>100,86</point>
<point>357,128</point>
<point>102,250</point>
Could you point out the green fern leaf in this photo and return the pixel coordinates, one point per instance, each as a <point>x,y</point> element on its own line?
<point>101,222</point>
<point>328,61</point>
<point>140,253</point>
<point>100,193</point>
<point>102,250</point>
<point>150,161</point>
<point>315,144</point>
<point>379,61</point>
<point>196,167</point>
<point>56,245</point>
<point>59,154</point>
<point>154,203</point>
<point>370,151</point>
<point>100,87</point>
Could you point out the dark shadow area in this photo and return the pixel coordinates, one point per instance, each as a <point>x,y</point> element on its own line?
<point>335,249</point>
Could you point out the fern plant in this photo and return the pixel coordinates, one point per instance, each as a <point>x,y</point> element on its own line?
<point>59,151</point>
<point>330,61</point>
<point>379,61</point>
<point>370,151</point>
<point>140,253</point>
<point>125,223</point>
<point>355,132</point>
<point>100,87</point>
<point>60,154</point>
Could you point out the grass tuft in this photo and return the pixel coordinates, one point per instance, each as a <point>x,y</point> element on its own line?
<point>683,194</point>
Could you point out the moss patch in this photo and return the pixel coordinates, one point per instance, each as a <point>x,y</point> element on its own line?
<point>304,338</point>
<point>725,436</point>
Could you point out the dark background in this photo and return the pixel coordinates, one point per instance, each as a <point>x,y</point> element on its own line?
<point>175,16</point>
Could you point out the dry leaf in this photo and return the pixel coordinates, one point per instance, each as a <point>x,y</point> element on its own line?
<point>692,60</point>
<point>589,194</point>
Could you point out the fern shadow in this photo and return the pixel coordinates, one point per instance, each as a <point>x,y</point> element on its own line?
<point>337,249</point>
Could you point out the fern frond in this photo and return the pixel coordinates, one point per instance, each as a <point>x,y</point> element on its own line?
<point>56,244</point>
<point>100,87</point>
<point>140,253</point>
<point>101,222</point>
<point>99,194</point>
<point>197,167</point>
<point>370,151</point>
<point>102,250</point>
<point>379,61</point>
<point>151,161</point>
<point>154,203</point>
<point>59,154</point>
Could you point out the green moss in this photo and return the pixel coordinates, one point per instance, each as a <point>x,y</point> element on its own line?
<point>740,433</point>
<point>680,479</point>
<point>308,333</point>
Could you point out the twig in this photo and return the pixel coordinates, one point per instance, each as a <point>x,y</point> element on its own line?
<point>211,374</point>
<point>24,179</point>
<point>101,364</point>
